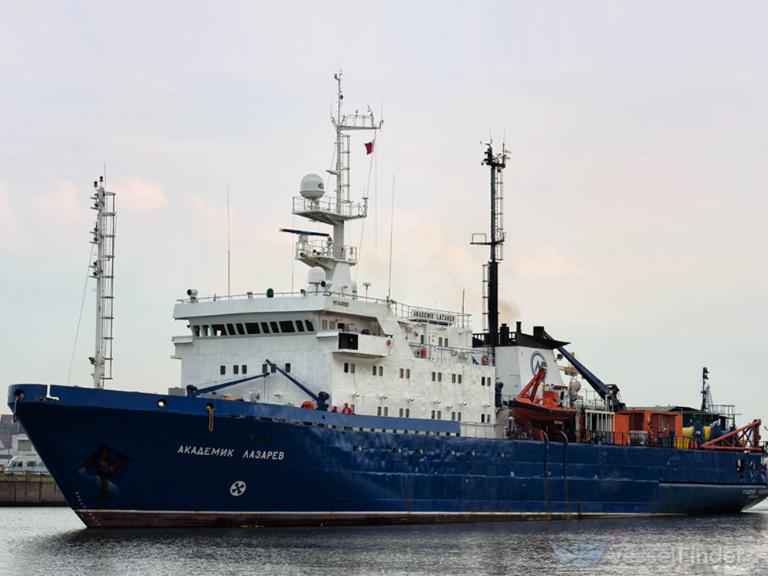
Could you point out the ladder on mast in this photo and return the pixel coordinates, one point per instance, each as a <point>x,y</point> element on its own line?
<point>103,270</point>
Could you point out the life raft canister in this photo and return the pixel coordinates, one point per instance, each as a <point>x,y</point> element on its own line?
<point>484,360</point>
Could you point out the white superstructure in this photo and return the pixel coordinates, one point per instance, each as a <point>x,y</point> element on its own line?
<point>375,357</point>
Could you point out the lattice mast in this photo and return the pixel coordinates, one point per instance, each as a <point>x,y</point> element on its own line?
<point>103,271</point>
<point>496,163</point>
<point>344,123</point>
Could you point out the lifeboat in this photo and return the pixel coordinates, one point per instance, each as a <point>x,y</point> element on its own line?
<point>539,411</point>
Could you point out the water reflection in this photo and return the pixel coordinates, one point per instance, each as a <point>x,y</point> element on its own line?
<point>52,541</point>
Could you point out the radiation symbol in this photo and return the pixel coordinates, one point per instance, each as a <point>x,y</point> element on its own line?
<point>238,488</point>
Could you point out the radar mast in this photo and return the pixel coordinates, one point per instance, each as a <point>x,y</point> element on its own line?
<point>496,162</point>
<point>331,253</point>
<point>104,273</point>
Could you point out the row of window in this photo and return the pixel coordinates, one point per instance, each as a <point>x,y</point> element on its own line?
<point>252,328</point>
<point>236,369</point>
<point>485,418</point>
<point>441,342</point>
<point>438,415</point>
<point>438,377</point>
<point>485,380</point>
<point>334,325</point>
<point>242,369</point>
<point>405,373</point>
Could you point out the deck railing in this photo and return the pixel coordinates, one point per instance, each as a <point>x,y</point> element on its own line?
<point>402,311</point>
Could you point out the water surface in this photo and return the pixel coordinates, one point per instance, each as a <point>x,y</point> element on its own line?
<point>52,541</point>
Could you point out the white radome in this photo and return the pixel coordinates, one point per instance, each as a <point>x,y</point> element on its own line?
<point>312,187</point>
<point>316,276</point>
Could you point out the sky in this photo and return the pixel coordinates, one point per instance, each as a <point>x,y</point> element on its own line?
<point>635,192</point>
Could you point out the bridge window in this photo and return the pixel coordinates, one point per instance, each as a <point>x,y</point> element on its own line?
<point>240,329</point>
<point>300,325</point>
<point>206,330</point>
<point>275,329</point>
<point>287,326</point>
<point>196,331</point>
<point>231,329</point>
<point>218,330</point>
<point>252,328</point>
<point>265,327</point>
<point>310,327</point>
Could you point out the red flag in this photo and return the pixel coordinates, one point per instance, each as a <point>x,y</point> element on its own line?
<point>369,147</point>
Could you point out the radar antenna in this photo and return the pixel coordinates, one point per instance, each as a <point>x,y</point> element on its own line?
<point>338,210</point>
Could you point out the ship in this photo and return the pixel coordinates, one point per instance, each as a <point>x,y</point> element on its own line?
<point>326,406</point>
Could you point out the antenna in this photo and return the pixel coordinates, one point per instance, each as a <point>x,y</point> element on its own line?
<point>229,252</point>
<point>103,271</point>
<point>333,255</point>
<point>496,162</point>
<point>391,233</point>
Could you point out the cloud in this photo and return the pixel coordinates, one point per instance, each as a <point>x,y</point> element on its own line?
<point>61,204</point>
<point>139,196</point>
<point>202,208</point>
<point>9,224</point>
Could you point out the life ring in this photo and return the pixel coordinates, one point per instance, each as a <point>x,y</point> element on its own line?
<point>484,360</point>
<point>389,342</point>
<point>308,404</point>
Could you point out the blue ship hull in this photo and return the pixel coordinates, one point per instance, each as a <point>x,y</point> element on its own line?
<point>132,459</point>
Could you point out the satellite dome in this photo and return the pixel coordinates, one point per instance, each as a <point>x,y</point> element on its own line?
<point>312,187</point>
<point>316,276</point>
